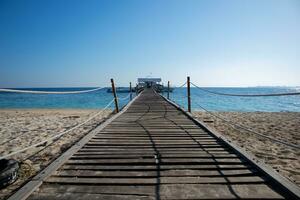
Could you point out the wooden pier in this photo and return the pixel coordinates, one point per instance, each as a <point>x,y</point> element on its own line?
<point>153,150</point>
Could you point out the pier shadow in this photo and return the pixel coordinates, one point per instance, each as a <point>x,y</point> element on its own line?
<point>157,155</point>
<point>203,149</point>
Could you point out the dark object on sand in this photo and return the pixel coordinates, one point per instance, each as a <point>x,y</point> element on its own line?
<point>8,172</point>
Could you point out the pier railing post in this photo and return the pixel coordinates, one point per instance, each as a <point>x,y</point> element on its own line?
<point>130,88</point>
<point>189,93</point>
<point>115,94</point>
<point>168,90</point>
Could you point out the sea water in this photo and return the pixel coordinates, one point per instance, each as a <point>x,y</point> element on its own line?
<point>99,99</point>
<point>91,100</point>
<point>213,102</point>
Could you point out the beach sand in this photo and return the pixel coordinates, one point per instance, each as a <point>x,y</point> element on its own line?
<point>22,128</point>
<point>280,125</point>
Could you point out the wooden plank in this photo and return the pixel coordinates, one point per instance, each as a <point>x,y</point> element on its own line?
<point>162,151</point>
<point>147,142</point>
<point>190,154</point>
<point>153,181</point>
<point>153,160</point>
<point>154,167</point>
<point>94,189</point>
<point>164,173</point>
<point>89,196</point>
<point>126,156</point>
<point>150,144</point>
<point>172,191</point>
<point>213,191</point>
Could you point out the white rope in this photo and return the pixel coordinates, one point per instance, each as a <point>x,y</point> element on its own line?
<point>247,95</point>
<point>182,96</point>
<point>58,135</point>
<point>49,92</point>
<point>182,85</point>
<point>124,98</point>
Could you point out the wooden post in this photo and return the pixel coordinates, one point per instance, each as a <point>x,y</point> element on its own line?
<point>168,89</point>
<point>189,93</point>
<point>130,88</point>
<point>115,95</point>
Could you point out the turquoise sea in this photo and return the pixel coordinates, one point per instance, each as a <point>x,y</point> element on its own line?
<point>92,100</point>
<point>99,99</point>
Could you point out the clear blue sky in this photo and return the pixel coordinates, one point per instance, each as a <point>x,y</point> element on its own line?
<point>50,43</point>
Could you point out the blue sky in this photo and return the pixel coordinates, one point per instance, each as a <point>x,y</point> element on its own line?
<point>53,43</point>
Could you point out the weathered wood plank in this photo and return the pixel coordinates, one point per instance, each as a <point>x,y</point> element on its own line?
<point>126,156</point>
<point>163,173</point>
<point>172,191</point>
<point>146,190</point>
<point>153,160</point>
<point>154,167</point>
<point>89,196</point>
<point>152,181</point>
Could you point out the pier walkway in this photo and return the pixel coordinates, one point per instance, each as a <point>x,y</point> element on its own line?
<point>152,150</point>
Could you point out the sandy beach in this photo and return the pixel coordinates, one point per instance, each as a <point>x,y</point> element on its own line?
<point>22,128</point>
<point>280,125</point>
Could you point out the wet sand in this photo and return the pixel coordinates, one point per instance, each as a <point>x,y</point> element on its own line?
<point>280,125</point>
<point>22,128</point>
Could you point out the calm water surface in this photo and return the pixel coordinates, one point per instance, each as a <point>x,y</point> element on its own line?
<point>99,99</point>
<point>247,104</point>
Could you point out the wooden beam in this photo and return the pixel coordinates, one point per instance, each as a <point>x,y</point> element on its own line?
<point>130,88</point>
<point>115,95</point>
<point>168,89</point>
<point>189,94</point>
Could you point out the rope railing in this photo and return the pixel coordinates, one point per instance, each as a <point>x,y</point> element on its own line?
<point>58,135</point>
<point>247,95</point>
<point>49,92</point>
<point>182,85</point>
<point>124,98</point>
<point>4,142</point>
<point>234,124</point>
<point>183,97</point>
<point>179,86</point>
<point>238,126</point>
